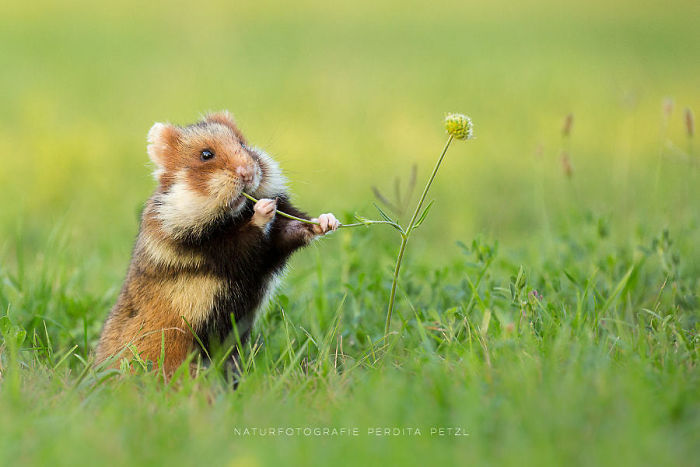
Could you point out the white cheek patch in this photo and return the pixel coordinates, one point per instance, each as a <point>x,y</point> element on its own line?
<point>222,187</point>
<point>273,182</point>
<point>182,211</point>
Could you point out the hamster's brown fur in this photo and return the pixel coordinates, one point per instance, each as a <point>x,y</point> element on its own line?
<point>204,253</point>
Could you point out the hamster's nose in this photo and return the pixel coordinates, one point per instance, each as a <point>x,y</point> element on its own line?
<point>245,173</point>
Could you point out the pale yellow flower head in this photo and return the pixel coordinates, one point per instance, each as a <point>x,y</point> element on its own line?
<point>459,125</point>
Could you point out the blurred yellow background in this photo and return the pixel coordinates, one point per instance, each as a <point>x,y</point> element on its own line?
<point>349,95</point>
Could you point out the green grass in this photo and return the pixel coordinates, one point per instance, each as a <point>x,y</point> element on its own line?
<point>599,366</point>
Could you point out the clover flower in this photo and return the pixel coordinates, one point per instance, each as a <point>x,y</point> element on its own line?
<point>459,126</point>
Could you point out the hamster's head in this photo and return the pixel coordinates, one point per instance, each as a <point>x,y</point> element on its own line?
<point>203,168</point>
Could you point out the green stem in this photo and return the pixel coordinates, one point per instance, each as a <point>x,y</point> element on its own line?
<point>307,221</point>
<point>427,186</point>
<point>404,241</point>
<point>283,214</point>
<point>407,234</point>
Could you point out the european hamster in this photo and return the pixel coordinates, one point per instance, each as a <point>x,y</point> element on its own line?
<point>204,252</point>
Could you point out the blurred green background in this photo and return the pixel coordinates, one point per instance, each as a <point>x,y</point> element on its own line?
<point>349,95</point>
<point>346,96</point>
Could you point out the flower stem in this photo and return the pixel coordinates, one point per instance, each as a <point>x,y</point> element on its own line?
<point>404,241</point>
<point>283,214</point>
<point>427,186</point>
<point>407,233</point>
<point>366,222</point>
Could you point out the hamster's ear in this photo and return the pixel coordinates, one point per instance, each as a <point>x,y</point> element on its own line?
<point>225,118</point>
<point>162,139</point>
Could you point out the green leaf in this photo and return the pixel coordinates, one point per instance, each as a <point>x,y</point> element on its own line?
<point>384,215</point>
<point>422,216</point>
<point>362,220</point>
<point>484,328</point>
<point>283,301</point>
<point>620,286</point>
<point>571,277</point>
<point>194,334</point>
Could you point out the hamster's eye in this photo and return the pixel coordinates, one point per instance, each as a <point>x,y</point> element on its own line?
<point>207,154</point>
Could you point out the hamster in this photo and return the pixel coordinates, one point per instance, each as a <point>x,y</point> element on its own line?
<point>204,253</point>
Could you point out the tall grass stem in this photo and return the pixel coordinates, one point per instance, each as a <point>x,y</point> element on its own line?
<point>365,222</point>
<point>407,233</point>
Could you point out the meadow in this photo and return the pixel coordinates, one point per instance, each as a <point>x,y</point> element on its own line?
<point>548,309</point>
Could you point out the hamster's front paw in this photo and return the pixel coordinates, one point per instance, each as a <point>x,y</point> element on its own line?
<point>327,222</point>
<point>264,212</point>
